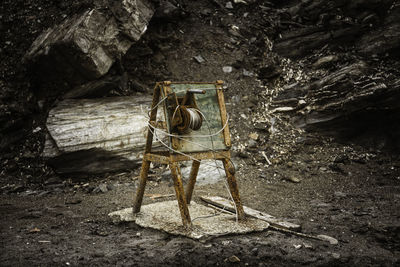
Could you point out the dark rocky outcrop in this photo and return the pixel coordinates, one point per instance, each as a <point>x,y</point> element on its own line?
<point>349,51</point>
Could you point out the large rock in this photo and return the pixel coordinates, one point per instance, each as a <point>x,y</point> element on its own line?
<point>84,47</point>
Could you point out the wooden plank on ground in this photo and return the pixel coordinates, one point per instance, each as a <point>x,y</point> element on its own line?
<point>227,205</point>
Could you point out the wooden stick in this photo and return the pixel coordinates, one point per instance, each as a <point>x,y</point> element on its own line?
<point>224,116</point>
<point>227,205</point>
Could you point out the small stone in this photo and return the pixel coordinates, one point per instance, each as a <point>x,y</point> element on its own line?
<point>226,242</point>
<point>336,256</point>
<point>339,194</point>
<point>34,230</point>
<point>103,188</point>
<point>323,169</point>
<point>233,259</point>
<point>110,187</point>
<point>37,129</point>
<point>301,103</point>
<point>199,59</point>
<point>252,143</point>
<point>227,69</point>
<point>229,5</point>
<point>331,240</point>
<point>73,201</point>
<point>236,98</point>
<point>254,136</point>
<point>234,30</point>
<point>293,179</point>
<point>248,73</point>
<point>309,246</point>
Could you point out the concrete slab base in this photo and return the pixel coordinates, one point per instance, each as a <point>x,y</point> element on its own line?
<point>206,221</point>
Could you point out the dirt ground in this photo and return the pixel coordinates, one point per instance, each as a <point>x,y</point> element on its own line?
<point>330,187</point>
<point>355,201</point>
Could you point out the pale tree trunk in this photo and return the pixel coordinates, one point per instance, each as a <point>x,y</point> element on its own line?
<point>96,135</point>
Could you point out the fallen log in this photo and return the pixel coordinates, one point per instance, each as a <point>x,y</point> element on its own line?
<point>96,135</point>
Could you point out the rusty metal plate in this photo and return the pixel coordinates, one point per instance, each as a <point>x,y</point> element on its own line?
<point>210,107</point>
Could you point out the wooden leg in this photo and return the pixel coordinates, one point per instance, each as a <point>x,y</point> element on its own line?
<point>233,187</point>
<point>146,164</point>
<point>183,208</point>
<point>142,184</point>
<point>192,180</point>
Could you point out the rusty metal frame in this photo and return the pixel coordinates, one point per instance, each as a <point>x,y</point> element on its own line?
<point>171,158</point>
